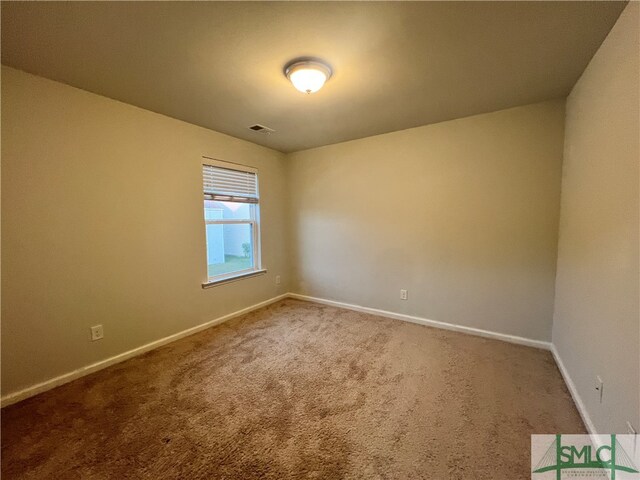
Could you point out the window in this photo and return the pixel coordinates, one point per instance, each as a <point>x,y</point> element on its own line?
<point>231,217</point>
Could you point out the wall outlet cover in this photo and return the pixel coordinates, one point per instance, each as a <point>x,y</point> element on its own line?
<point>599,386</point>
<point>96,333</point>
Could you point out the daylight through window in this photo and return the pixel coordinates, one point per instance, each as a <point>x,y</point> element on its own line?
<point>231,214</point>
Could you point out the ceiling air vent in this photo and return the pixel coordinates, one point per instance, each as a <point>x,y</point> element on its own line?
<point>261,128</point>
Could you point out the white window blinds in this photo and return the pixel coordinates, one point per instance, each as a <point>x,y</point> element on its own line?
<point>226,184</point>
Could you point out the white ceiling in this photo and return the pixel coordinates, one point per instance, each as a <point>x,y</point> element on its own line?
<point>396,64</point>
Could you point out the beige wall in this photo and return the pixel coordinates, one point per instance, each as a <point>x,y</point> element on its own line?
<point>102,223</point>
<point>463,214</point>
<point>597,321</point>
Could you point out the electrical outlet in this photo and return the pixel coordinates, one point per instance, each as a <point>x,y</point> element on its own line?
<point>96,333</point>
<point>630,429</point>
<point>599,386</point>
<point>278,280</point>
<point>403,295</point>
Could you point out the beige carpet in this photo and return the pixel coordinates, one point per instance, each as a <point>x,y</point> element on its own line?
<point>298,390</point>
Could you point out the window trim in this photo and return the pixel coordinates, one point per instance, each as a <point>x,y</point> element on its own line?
<point>254,222</point>
<point>235,277</point>
<point>214,162</point>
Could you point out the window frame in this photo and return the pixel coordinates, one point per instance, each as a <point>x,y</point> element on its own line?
<point>253,222</point>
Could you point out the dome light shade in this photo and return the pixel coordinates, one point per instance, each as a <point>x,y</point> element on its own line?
<point>308,76</point>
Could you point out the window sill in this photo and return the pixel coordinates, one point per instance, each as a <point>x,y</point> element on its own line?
<point>234,278</point>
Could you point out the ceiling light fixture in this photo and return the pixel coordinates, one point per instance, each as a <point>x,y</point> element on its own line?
<point>307,75</point>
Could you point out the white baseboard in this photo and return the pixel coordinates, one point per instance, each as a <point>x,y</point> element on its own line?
<point>94,367</point>
<point>574,392</point>
<point>431,323</point>
<point>75,374</point>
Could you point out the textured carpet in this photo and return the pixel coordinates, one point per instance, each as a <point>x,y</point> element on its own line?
<point>298,390</point>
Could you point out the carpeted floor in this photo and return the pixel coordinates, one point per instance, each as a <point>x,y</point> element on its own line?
<point>298,390</point>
